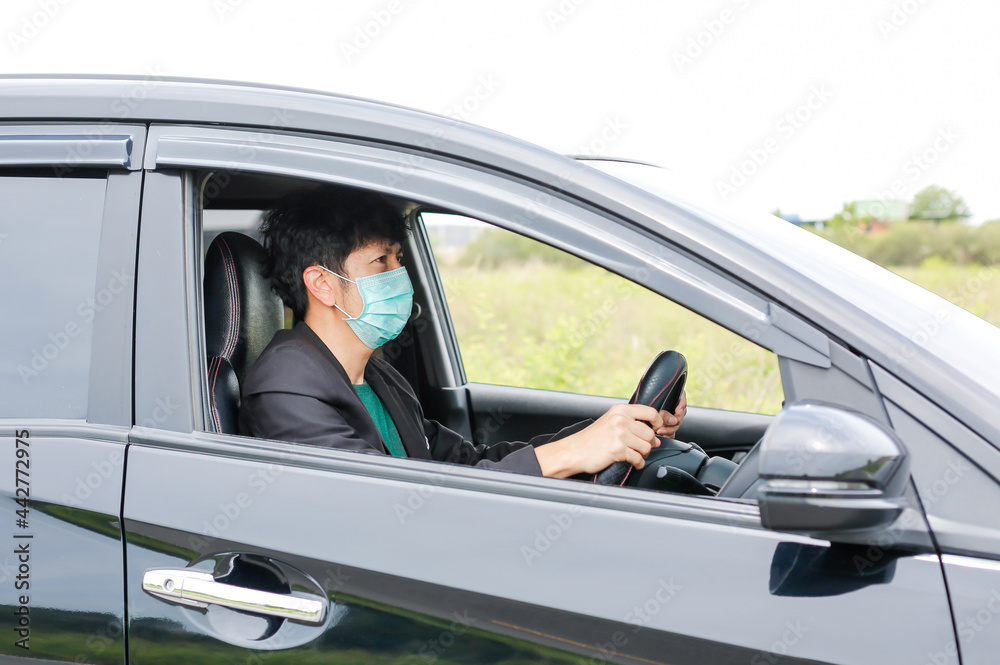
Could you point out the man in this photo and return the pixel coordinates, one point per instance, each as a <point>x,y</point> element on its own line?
<point>335,259</point>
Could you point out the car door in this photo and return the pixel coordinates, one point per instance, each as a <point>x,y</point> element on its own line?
<point>411,560</point>
<point>70,201</point>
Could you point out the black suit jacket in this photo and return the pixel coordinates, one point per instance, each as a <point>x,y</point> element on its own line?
<point>298,391</point>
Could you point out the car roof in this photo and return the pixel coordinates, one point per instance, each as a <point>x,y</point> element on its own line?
<point>870,309</point>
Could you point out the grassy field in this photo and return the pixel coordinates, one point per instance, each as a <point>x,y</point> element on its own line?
<point>587,331</point>
<point>972,287</point>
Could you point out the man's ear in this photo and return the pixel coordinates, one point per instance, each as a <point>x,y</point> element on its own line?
<point>319,286</point>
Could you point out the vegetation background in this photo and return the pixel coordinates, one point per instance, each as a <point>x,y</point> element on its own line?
<point>529,315</point>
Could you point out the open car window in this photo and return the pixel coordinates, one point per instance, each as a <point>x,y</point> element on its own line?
<point>529,315</point>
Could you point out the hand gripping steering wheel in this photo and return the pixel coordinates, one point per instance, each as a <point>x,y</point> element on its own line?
<point>660,387</point>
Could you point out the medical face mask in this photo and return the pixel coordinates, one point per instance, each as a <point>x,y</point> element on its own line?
<point>387,298</point>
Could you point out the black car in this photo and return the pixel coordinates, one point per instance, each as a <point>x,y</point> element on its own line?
<point>142,528</point>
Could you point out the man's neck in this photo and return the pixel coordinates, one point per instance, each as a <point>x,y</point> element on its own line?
<point>345,346</point>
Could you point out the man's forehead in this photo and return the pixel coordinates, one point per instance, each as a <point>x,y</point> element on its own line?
<point>384,245</point>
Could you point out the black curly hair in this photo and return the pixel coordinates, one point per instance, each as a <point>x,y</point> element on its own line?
<point>322,226</point>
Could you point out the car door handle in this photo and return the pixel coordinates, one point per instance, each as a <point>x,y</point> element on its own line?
<point>197,589</point>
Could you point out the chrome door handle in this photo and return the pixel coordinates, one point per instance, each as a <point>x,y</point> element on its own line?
<point>197,589</point>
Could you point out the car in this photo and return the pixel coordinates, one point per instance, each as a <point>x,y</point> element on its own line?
<point>860,525</point>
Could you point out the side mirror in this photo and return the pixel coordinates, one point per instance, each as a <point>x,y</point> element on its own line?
<point>828,472</point>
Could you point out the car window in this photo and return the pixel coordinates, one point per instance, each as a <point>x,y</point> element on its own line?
<point>529,315</point>
<point>50,231</point>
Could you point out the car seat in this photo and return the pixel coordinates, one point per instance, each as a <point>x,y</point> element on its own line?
<point>241,316</point>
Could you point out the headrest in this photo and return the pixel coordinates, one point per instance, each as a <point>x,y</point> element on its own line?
<point>241,312</point>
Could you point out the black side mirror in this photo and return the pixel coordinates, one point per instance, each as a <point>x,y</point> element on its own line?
<point>830,473</point>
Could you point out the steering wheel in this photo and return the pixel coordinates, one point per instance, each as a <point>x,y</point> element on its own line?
<point>660,387</point>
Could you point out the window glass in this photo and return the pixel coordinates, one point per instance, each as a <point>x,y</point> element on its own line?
<point>533,316</point>
<point>50,230</point>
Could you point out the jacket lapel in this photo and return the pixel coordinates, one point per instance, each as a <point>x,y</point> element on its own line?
<point>371,435</point>
<point>408,427</point>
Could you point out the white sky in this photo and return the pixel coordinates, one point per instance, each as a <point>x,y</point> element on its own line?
<point>563,72</point>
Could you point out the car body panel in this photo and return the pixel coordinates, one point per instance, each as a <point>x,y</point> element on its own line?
<point>411,555</point>
<point>65,598</point>
<point>540,553</point>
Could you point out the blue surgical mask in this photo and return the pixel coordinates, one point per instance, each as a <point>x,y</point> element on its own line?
<point>387,298</point>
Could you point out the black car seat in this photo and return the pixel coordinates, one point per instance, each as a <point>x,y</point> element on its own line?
<point>241,316</point>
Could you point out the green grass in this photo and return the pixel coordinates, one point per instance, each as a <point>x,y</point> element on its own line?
<point>973,287</point>
<point>584,330</point>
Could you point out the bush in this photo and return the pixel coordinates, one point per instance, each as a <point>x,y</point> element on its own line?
<point>494,248</point>
<point>912,243</point>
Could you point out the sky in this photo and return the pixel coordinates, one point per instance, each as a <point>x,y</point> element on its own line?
<point>756,104</point>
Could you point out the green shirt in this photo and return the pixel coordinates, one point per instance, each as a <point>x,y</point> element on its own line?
<point>383,421</point>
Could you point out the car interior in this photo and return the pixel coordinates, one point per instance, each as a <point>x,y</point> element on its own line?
<point>242,314</point>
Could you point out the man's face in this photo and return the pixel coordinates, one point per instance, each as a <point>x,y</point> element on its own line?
<point>371,259</point>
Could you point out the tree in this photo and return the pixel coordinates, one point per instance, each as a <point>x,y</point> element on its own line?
<point>939,204</point>
<point>849,217</point>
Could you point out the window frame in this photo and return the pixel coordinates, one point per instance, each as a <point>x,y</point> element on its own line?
<point>116,152</point>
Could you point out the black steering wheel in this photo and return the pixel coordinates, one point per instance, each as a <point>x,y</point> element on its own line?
<point>660,387</point>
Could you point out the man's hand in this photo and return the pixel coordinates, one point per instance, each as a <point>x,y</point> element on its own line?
<point>619,435</point>
<point>672,421</point>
